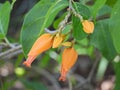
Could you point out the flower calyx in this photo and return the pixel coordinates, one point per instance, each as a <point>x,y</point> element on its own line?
<point>58,39</point>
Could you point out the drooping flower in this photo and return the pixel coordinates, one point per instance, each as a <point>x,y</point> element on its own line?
<point>58,40</point>
<point>43,43</point>
<point>69,57</point>
<point>88,26</point>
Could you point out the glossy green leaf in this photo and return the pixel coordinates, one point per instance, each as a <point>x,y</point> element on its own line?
<point>4,18</point>
<point>82,10</point>
<point>115,26</point>
<point>97,6</point>
<point>38,18</point>
<point>101,39</point>
<point>78,32</point>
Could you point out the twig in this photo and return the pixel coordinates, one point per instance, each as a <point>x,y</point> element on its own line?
<point>3,44</point>
<point>48,76</point>
<point>89,78</point>
<point>10,55</point>
<point>98,57</point>
<point>9,44</point>
<point>74,12</point>
<point>79,78</point>
<point>64,22</point>
<point>92,70</point>
<point>4,54</point>
<point>49,31</point>
<point>69,83</point>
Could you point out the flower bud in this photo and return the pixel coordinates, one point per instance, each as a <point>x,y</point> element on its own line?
<point>88,26</point>
<point>42,44</point>
<point>67,44</point>
<point>69,58</point>
<point>58,40</point>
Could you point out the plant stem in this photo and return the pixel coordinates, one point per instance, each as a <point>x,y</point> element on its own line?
<point>7,41</point>
<point>74,12</point>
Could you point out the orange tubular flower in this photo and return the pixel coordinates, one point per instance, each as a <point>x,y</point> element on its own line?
<point>58,40</point>
<point>42,44</point>
<point>88,26</point>
<point>69,57</point>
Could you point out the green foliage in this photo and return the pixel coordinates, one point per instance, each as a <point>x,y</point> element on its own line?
<point>101,39</point>
<point>4,18</point>
<point>102,69</point>
<point>111,2</point>
<point>105,10</point>
<point>33,85</point>
<point>58,20</point>
<point>97,6</point>
<point>115,32</point>
<point>117,72</point>
<point>83,10</point>
<point>78,32</point>
<point>67,29</point>
<point>39,17</point>
<point>114,26</point>
<point>83,48</point>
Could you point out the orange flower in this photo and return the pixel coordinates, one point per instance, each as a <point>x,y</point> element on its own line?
<point>88,26</point>
<point>69,58</point>
<point>42,44</point>
<point>58,40</point>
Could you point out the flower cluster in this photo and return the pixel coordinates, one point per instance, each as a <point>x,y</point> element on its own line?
<point>69,55</point>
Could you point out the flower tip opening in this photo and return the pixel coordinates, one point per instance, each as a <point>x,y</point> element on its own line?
<point>27,64</point>
<point>62,78</point>
<point>63,74</point>
<point>29,61</point>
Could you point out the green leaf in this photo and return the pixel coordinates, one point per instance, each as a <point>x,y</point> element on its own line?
<point>111,2</point>
<point>45,60</point>
<point>33,85</point>
<point>38,18</point>
<point>4,18</point>
<point>105,10</point>
<point>82,10</point>
<point>115,26</point>
<point>97,6</point>
<point>117,74</point>
<point>78,32</point>
<point>58,20</point>
<point>101,39</point>
<point>67,29</point>
<point>102,67</point>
